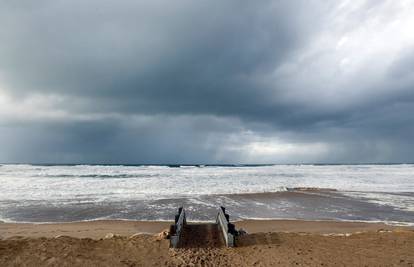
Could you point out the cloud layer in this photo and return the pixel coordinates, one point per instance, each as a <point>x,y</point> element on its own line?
<point>206,81</point>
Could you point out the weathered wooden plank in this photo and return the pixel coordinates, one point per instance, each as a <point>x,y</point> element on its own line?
<point>180,222</point>
<point>224,223</point>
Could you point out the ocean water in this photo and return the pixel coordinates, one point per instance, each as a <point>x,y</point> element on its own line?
<point>33,193</point>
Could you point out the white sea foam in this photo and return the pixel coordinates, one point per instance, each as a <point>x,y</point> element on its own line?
<point>93,183</point>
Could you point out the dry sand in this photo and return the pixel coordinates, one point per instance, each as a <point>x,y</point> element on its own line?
<point>92,229</point>
<point>269,243</point>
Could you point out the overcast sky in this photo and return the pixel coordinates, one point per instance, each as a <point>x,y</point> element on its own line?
<point>189,81</point>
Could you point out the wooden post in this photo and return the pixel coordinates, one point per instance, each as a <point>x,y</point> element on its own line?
<point>226,227</point>
<point>180,221</point>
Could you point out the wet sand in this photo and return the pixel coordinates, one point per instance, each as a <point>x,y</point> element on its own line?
<point>269,243</point>
<point>298,203</point>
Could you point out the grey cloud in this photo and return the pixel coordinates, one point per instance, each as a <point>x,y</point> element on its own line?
<point>134,140</point>
<point>188,57</point>
<point>203,73</point>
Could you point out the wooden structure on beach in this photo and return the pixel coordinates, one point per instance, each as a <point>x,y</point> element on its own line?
<point>184,234</point>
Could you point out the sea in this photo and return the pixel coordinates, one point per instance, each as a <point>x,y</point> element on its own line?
<point>68,193</point>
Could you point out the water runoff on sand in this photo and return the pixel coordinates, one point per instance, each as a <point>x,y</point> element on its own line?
<point>56,193</point>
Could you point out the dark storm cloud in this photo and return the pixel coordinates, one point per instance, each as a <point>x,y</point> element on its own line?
<point>205,81</point>
<point>190,57</point>
<point>137,140</point>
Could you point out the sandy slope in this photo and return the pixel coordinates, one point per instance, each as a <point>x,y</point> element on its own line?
<point>372,248</point>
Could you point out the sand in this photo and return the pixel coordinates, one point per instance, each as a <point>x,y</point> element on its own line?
<point>92,229</point>
<point>269,243</point>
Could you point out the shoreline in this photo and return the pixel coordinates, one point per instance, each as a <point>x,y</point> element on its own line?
<point>100,228</point>
<point>306,204</point>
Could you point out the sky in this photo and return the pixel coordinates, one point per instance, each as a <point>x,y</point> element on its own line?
<point>214,82</point>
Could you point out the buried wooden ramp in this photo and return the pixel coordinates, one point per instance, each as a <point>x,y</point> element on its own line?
<point>188,235</point>
<point>201,235</point>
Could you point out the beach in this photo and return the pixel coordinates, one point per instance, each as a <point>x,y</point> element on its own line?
<point>268,243</point>
<point>294,215</point>
<point>206,133</point>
